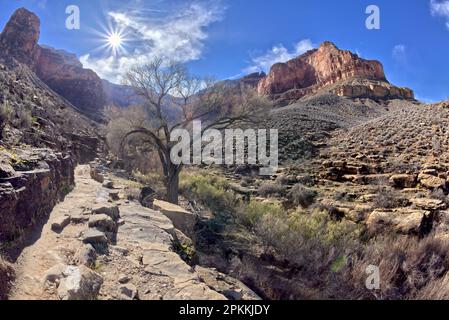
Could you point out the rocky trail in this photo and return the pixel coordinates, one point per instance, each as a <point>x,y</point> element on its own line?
<point>96,246</point>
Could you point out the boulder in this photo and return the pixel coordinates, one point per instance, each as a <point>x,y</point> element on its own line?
<point>108,184</point>
<point>431,182</point>
<point>94,237</point>
<point>79,283</point>
<point>114,195</point>
<point>182,219</point>
<point>96,173</point>
<point>108,209</point>
<point>54,274</point>
<point>128,292</point>
<point>403,181</point>
<point>103,223</point>
<point>403,221</point>
<point>86,255</point>
<point>428,204</point>
<point>146,197</point>
<point>60,223</point>
<point>124,279</point>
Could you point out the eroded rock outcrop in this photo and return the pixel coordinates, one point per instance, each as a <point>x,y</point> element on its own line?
<point>327,66</point>
<point>39,179</point>
<point>61,71</point>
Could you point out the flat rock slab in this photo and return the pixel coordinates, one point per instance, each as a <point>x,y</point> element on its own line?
<point>94,237</point>
<point>60,223</point>
<point>192,290</point>
<point>167,264</point>
<point>153,232</point>
<point>232,288</point>
<point>181,218</point>
<point>145,226</point>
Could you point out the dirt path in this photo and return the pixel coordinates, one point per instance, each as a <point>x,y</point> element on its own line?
<point>52,248</point>
<point>138,262</point>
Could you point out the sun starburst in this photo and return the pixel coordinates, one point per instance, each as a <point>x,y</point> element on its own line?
<point>115,41</point>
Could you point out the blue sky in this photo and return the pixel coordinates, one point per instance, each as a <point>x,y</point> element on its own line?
<point>226,38</point>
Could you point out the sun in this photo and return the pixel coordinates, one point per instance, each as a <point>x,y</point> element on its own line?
<point>115,40</point>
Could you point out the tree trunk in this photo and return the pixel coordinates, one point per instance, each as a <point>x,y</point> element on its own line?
<point>173,186</point>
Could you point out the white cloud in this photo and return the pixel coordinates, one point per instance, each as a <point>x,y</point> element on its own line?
<point>440,9</point>
<point>176,34</point>
<point>400,53</point>
<point>277,54</point>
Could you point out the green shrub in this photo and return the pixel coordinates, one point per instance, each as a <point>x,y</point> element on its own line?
<point>210,190</point>
<point>312,241</point>
<point>250,214</point>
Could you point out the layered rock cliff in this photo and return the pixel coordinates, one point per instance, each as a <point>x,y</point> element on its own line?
<point>61,71</point>
<point>327,68</point>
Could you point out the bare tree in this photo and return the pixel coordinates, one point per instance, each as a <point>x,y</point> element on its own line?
<point>161,83</point>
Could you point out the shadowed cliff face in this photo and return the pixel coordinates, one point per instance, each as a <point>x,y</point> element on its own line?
<point>327,66</point>
<point>61,71</point>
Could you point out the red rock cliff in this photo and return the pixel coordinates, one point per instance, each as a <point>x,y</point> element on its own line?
<point>61,71</point>
<point>321,68</point>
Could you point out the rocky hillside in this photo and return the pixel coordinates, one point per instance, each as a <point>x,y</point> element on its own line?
<point>43,136</point>
<point>62,72</point>
<point>339,71</point>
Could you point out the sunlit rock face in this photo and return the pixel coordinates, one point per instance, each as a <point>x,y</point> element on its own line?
<point>20,36</point>
<point>61,71</point>
<point>325,67</point>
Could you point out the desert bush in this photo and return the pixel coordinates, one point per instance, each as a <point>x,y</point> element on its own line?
<point>409,268</point>
<point>250,214</point>
<point>24,119</point>
<point>5,113</point>
<point>306,180</point>
<point>270,189</point>
<point>341,195</point>
<point>389,199</point>
<point>210,190</point>
<point>282,180</point>
<point>319,248</point>
<point>246,181</point>
<point>6,276</point>
<point>302,196</point>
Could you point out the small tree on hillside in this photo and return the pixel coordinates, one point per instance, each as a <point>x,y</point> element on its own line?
<point>165,87</point>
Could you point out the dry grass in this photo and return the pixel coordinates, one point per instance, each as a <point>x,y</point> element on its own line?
<point>301,196</point>
<point>409,269</point>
